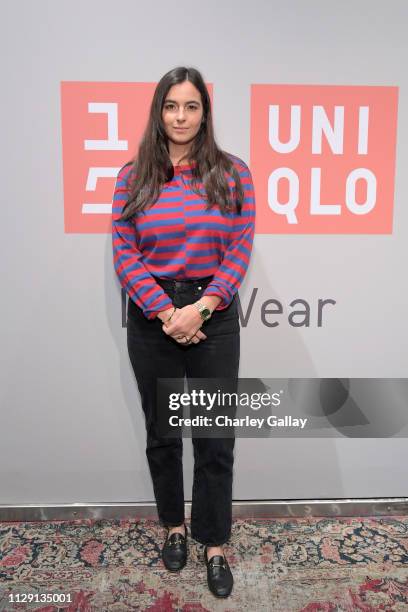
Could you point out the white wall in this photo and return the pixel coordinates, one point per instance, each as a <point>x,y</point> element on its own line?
<point>71,424</point>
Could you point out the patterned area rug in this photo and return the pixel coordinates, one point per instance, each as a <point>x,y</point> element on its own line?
<point>308,565</point>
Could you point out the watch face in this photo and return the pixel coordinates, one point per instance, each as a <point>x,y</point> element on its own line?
<point>205,313</point>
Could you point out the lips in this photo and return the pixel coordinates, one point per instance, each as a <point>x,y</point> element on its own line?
<point>181,129</point>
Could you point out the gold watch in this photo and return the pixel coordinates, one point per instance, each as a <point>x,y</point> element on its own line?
<point>205,312</point>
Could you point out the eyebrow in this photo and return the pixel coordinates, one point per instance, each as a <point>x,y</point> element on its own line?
<point>189,101</point>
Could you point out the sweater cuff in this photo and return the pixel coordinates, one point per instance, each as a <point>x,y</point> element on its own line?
<point>226,298</point>
<point>153,315</point>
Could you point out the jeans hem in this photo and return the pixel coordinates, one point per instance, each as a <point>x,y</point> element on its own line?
<point>207,543</point>
<point>167,524</point>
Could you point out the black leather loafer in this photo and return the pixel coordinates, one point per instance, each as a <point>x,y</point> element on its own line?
<point>174,551</point>
<point>219,576</point>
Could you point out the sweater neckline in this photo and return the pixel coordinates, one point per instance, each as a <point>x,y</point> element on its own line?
<point>185,166</point>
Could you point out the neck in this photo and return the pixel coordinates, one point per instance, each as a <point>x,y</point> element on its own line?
<point>178,153</point>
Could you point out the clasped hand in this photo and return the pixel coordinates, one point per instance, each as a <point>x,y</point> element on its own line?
<point>184,326</point>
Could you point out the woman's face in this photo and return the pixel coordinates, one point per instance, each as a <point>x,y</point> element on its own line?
<point>182,113</point>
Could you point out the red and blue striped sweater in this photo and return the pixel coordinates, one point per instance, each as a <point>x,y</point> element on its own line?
<point>178,238</point>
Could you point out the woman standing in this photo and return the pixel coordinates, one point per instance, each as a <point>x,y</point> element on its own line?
<point>182,232</point>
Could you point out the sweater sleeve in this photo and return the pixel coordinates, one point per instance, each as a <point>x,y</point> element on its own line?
<point>134,277</point>
<point>230,274</point>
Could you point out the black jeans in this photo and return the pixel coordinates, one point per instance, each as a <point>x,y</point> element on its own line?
<point>154,355</point>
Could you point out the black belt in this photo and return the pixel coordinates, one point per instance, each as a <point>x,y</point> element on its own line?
<point>184,282</point>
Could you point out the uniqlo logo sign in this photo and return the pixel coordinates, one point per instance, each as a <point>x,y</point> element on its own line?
<point>323,158</point>
<point>102,124</point>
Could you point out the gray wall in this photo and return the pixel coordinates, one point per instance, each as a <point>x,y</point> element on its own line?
<point>71,423</point>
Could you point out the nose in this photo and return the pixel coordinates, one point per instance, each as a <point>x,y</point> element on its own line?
<point>180,114</point>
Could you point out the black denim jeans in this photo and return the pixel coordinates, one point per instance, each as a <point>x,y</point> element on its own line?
<point>154,355</point>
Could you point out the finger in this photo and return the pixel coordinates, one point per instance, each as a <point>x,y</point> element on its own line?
<point>201,335</point>
<point>183,339</point>
<point>195,340</point>
<point>179,338</point>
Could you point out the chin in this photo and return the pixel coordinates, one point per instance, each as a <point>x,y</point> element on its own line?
<point>184,138</point>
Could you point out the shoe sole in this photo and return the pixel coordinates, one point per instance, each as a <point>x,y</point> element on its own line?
<point>220,596</point>
<point>174,571</point>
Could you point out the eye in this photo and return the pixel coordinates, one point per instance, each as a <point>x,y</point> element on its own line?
<point>170,105</point>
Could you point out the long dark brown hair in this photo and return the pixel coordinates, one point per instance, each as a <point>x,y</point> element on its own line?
<point>152,166</point>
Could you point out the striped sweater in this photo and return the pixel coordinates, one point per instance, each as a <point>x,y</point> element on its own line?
<point>177,238</point>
